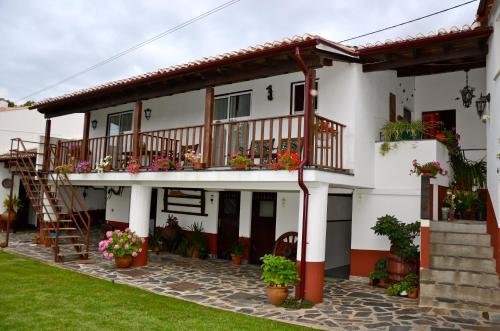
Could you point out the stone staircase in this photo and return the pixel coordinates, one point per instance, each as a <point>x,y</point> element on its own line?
<point>462,272</point>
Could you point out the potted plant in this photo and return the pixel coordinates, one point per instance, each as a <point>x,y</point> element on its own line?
<point>392,132</point>
<point>195,159</point>
<point>73,162</point>
<point>394,289</point>
<point>122,246</point>
<point>197,242</point>
<point>288,160</point>
<point>278,273</point>
<point>466,201</point>
<point>134,166</point>
<point>374,277</point>
<point>11,206</point>
<point>162,164</point>
<point>84,167</point>
<point>403,254</point>
<point>154,242</point>
<point>430,169</point>
<point>236,253</point>
<point>106,164</point>
<point>240,162</point>
<point>170,234</point>
<point>65,169</point>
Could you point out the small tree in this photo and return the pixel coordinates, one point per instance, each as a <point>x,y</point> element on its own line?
<point>400,235</point>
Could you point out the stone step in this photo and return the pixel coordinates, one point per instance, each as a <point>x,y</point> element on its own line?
<point>482,295</point>
<point>461,250</point>
<point>472,239</point>
<point>459,277</point>
<point>492,312</point>
<point>462,263</point>
<point>459,226</point>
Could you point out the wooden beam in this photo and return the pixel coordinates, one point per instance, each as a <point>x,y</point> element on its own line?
<point>46,146</point>
<point>136,132</point>
<point>423,59</point>
<point>312,80</point>
<point>174,86</point>
<point>207,134</point>
<point>438,69</point>
<point>85,136</point>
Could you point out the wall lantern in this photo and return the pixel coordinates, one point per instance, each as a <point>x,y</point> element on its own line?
<point>270,96</point>
<point>147,113</point>
<point>481,104</point>
<point>467,92</point>
<point>94,124</point>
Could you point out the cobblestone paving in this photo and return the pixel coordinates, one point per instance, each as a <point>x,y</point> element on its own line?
<point>348,305</point>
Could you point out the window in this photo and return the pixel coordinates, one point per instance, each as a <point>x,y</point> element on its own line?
<point>232,106</point>
<point>119,123</point>
<point>297,97</point>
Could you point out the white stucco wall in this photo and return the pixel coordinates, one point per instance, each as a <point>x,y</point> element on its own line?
<point>287,211</point>
<point>395,193</point>
<point>439,92</point>
<point>493,125</point>
<point>118,206</point>
<point>30,125</point>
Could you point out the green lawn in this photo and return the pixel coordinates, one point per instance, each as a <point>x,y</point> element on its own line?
<point>35,296</point>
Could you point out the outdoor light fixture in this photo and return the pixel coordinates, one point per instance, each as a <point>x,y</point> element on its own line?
<point>270,96</point>
<point>147,113</point>
<point>94,124</point>
<point>481,104</point>
<point>467,92</point>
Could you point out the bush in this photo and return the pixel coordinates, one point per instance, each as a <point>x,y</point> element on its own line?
<point>400,235</point>
<point>278,271</point>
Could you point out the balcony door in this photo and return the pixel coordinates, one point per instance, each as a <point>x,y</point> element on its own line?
<point>229,136</point>
<point>118,125</point>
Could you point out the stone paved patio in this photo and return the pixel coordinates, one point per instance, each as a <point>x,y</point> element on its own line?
<point>348,305</point>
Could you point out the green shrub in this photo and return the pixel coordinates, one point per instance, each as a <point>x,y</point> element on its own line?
<point>400,235</point>
<point>278,271</point>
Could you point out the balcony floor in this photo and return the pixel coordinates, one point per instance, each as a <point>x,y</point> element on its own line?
<point>217,283</point>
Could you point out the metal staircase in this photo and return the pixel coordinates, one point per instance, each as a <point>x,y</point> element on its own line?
<point>61,214</point>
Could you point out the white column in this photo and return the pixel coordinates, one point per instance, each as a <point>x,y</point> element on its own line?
<point>316,222</point>
<point>140,205</point>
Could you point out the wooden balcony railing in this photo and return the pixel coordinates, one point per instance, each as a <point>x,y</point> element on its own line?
<point>261,140</point>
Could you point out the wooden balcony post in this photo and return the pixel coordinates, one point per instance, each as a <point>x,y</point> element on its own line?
<point>136,133</point>
<point>309,102</point>
<point>46,146</point>
<point>57,159</point>
<point>85,140</point>
<point>207,134</point>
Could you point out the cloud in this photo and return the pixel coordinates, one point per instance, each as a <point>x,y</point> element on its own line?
<point>46,41</point>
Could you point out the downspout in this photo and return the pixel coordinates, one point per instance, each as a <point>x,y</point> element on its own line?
<point>304,162</point>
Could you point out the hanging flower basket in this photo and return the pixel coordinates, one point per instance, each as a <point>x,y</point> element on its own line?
<point>429,169</point>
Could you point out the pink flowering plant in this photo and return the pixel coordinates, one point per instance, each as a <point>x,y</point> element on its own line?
<point>120,243</point>
<point>429,169</point>
<point>163,164</point>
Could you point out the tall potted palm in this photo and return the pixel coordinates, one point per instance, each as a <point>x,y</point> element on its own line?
<point>11,206</point>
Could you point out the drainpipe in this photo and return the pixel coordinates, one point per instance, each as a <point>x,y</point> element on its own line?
<point>304,162</point>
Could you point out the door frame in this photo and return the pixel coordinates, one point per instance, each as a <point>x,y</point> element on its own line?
<point>219,224</point>
<point>255,210</point>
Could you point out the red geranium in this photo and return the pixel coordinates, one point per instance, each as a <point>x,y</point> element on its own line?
<point>288,160</point>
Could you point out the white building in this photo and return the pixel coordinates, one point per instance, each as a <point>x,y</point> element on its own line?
<point>252,102</point>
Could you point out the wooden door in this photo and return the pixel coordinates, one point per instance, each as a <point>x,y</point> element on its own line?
<point>392,107</point>
<point>431,119</point>
<point>263,231</point>
<point>229,223</point>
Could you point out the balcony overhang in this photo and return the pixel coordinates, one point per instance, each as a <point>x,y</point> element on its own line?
<point>258,63</point>
<point>447,52</point>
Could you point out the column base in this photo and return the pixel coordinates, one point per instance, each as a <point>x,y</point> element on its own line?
<point>142,258</point>
<point>315,278</point>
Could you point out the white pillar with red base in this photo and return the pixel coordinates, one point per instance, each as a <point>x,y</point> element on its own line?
<point>316,239</point>
<point>140,205</point>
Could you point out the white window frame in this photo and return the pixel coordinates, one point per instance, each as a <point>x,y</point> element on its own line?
<point>292,99</point>
<point>228,96</point>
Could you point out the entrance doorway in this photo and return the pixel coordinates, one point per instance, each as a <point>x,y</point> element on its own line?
<point>338,236</point>
<point>152,211</point>
<point>229,223</point>
<point>263,233</point>
<point>439,120</point>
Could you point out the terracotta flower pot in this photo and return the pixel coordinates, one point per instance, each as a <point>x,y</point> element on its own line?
<point>383,282</point>
<point>236,259</point>
<point>239,166</point>
<point>123,261</point>
<point>195,254</point>
<point>413,294</point>
<point>441,137</point>
<point>71,169</point>
<point>9,217</point>
<point>277,295</point>
<point>156,249</point>
<point>108,168</point>
<point>199,166</point>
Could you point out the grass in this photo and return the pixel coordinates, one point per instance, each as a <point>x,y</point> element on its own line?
<point>35,296</point>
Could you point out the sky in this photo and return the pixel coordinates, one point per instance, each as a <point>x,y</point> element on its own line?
<point>42,42</point>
